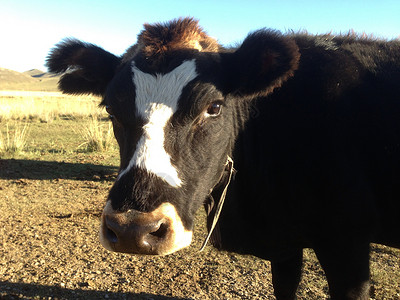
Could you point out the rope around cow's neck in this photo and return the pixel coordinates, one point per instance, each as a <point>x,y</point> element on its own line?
<point>221,201</point>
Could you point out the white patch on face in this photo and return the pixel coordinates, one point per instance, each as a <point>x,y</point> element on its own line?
<point>156,101</point>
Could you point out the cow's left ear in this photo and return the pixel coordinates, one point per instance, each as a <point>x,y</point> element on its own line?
<point>262,63</point>
<point>87,68</point>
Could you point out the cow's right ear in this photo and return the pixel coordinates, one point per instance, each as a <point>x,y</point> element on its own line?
<point>262,63</point>
<point>87,68</point>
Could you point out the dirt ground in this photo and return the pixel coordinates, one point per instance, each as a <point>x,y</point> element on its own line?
<point>49,249</point>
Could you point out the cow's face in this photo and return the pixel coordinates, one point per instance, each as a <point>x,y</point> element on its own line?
<point>176,104</point>
<point>166,125</point>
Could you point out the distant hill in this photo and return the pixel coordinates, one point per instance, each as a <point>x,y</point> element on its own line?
<point>35,73</point>
<point>32,80</point>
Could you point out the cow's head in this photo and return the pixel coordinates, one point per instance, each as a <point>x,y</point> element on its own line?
<point>177,100</point>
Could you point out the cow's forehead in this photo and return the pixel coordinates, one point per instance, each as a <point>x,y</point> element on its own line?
<point>156,101</point>
<point>161,89</point>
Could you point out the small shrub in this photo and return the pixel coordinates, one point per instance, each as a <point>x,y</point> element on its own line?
<point>98,136</point>
<point>13,140</point>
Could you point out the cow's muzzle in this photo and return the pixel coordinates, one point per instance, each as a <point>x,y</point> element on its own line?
<point>158,232</point>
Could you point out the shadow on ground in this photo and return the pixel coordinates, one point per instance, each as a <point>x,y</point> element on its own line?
<point>10,290</point>
<point>42,170</point>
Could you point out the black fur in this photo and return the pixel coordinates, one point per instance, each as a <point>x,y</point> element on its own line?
<point>262,63</point>
<point>87,68</point>
<point>317,150</point>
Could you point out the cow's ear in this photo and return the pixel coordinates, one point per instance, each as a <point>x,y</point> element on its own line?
<point>87,68</point>
<point>262,63</point>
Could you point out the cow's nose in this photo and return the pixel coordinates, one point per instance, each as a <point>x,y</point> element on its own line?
<point>159,232</point>
<point>134,235</point>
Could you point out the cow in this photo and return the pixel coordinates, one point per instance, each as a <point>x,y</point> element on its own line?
<point>297,134</point>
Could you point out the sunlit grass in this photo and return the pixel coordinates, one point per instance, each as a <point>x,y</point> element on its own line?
<point>98,136</point>
<point>13,138</point>
<point>45,106</point>
<point>24,108</point>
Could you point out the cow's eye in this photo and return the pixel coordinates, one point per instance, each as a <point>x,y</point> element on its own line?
<point>214,109</point>
<point>110,112</point>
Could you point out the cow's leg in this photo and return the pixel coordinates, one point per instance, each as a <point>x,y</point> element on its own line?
<point>346,266</point>
<point>286,276</point>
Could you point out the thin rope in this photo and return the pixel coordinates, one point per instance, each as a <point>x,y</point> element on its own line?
<point>220,204</point>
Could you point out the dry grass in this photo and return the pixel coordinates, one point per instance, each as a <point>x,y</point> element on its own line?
<point>45,106</point>
<point>19,107</point>
<point>14,139</point>
<point>98,136</point>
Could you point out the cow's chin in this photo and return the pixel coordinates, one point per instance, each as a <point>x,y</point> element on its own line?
<point>159,232</point>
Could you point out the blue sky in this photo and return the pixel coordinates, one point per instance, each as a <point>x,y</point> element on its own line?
<point>28,29</point>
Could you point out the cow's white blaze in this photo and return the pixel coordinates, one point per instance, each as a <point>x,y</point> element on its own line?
<point>156,101</point>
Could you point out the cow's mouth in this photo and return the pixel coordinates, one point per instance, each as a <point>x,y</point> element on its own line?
<point>159,232</point>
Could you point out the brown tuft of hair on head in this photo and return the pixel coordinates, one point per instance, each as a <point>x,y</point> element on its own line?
<point>183,33</point>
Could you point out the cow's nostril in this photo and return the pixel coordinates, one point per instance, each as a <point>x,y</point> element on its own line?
<point>161,232</point>
<point>111,236</point>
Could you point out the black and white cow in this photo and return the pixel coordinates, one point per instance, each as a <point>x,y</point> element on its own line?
<point>312,124</point>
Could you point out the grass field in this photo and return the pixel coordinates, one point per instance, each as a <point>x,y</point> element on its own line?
<point>52,192</point>
<point>46,106</point>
